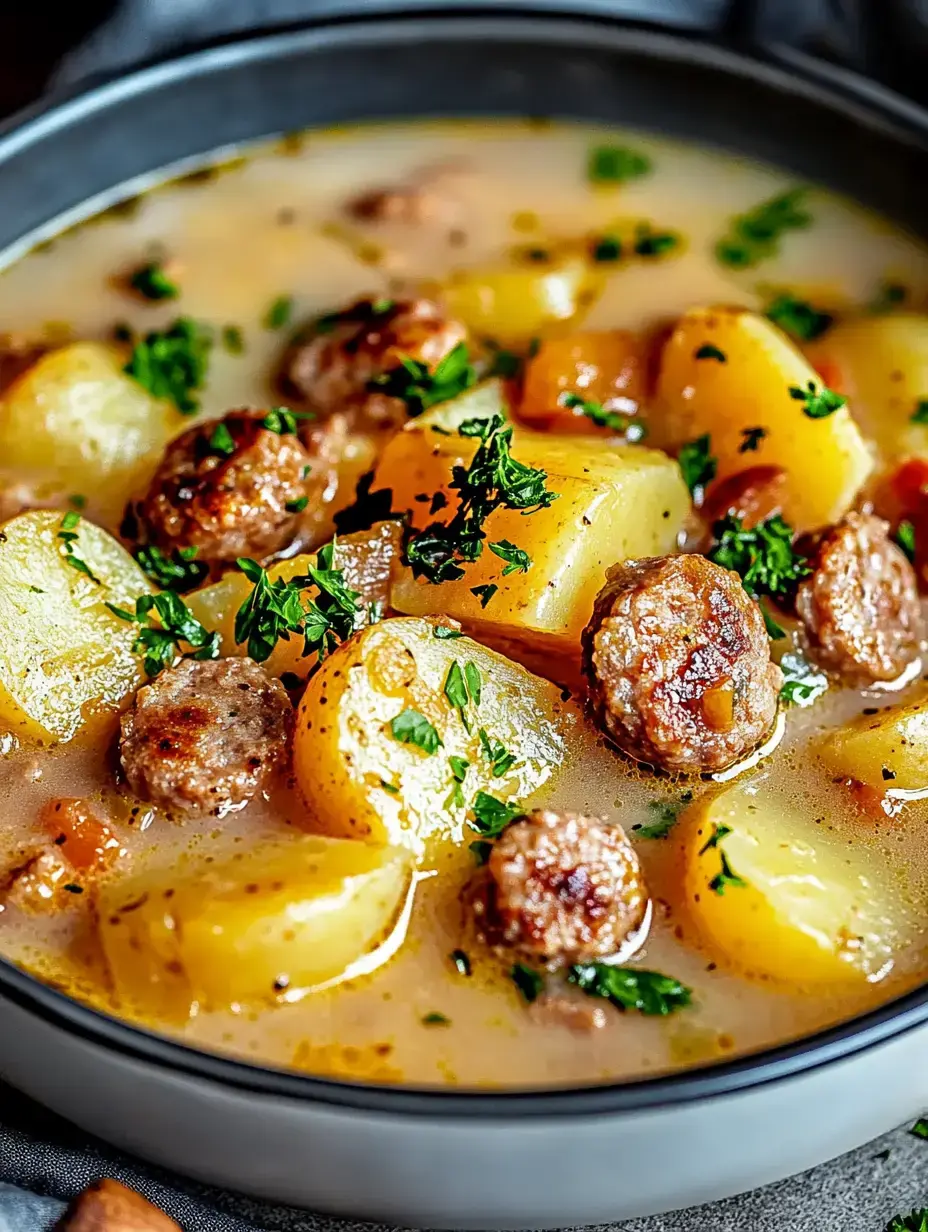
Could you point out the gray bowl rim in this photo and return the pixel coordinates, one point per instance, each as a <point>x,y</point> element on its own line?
<point>781,68</point>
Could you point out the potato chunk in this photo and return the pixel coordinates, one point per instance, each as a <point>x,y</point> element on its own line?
<point>63,654</point>
<point>826,460</point>
<point>806,906</point>
<point>278,920</point>
<point>882,365</point>
<point>886,750</point>
<point>75,420</point>
<point>359,777</point>
<point>613,502</point>
<point>366,558</point>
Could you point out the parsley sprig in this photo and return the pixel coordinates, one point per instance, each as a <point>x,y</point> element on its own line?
<point>799,318</point>
<point>411,727</point>
<point>180,571</point>
<point>176,626</point>
<point>763,556</point>
<point>173,363</point>
<point>665,814</point>
<point>421,388</point>
<point>490,819</point>
<point>698,465</point>
<point>615,164</point>
<point>152,283</point>
<point>632,429</point>
<point>628,988</point>
<point>802,684</point>
<point>818,401</point>
<point>69,535</point>
<point>755,235</point>
<point>275,610</point>
<point>915,1221</point>
<point>726,877</point>
<point>494,480</point>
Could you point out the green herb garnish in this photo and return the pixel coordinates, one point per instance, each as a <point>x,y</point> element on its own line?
<point>708,351</point>
<point>889,295</point>
<point>920,1129</point>
<point>434,1019</point>
<point>665,814</point>
<point>283,420</point>
<point>445,634</point>
<point>802,684</point>
<point>775,631</point>
<point>280,313</point>
<point>726,877</point>
<point>180,571</point>
<point>529,982</point>
<point>77,501</point>
<point>698,465</point>
<point>501,760</point>
<point>421,388</point>
<point>221,441</point>
<point>491,816</point>
<point>818,403</point>
<point>650,243</point>
<point>752,437</point>
<point>173,363</point>
<point>595,412</point>
<point>799,318</point>
<point>763,556</point>
<point>484,593</point>
<point>516,559</point>
<point>915,1221</point>
<point>615,164</point>
<point>905,538</point>
<point>627,988</point>
<point>152,283</point>
<point>232,340</point>
<point>755,236</point>
<point>493,480</point>
<point>176,626</point>
<point>920,414</point>
<point>606,248</point>
<point>69,536</point>
<point>411,727</point>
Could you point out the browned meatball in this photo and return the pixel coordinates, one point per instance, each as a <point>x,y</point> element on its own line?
<point>333,369</point>
<point>859,606</point>
<point>561,888</point>
<point>204,735</point>
<point>230,487</point>
<point>678,663</point>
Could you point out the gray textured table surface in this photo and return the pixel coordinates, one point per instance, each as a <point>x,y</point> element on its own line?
<point>858,1193</point>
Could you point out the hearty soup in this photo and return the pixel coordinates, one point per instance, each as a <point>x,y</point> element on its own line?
<point>459,607</point>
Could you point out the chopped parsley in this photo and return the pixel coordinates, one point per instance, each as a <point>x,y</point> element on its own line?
<point>775,631</point>
<point>276,609</point>
<point>411,727</point>
<point>718,833</point>
<point>915,1221</point>
<point>920,414</point>
<point>506,364</point>
<point>889,295</point>
<point>650,243</point>
<point>280,313</point>
<point>905,538</point>
<point>172,363</point>
<point>434,1019</point>
<point>802,684</point>
<point>364,312</point>
<point>763,556</point>
<point>818,403</point>
<point>627,988</point>
<point>490,819</point>
<point>920,1129</point>
<point>152,283</point>
<point>500,759</point>
<point>283,420</point>
<point>752,437</point>
<point>596,413</point>
<point>456,689</point>
<point>461,962</point>
<point>221,441</point>
<point>606,248</point>
<point>232,340</point>
<point>298,505</point>
<point>755,235</point>
<point>367,508</point>
<point>459,767</point>
<point>708,351</point>
<point>529,982</point>
<point>799,318</point>
<point>726,877</point>
<point>443,633</point>
<point>69,536</point>
<point>698,465</point>
<point>420,388</point>
<point>615,164</point>
<point>77,501</point>
<point>493,480</point>
<point>517,560</point>
<point>484,593</point>
<point>390,787</point>
<point>180,571</point>
<point>176,625</point>
<point>665,814</point>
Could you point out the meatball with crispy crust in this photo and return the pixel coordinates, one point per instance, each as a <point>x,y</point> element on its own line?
<point>229,487</point>
<point>678,664</point>
<point>333,368</point>
<point>561,888</point>
<point>203,736</point>
<point>859,606</point>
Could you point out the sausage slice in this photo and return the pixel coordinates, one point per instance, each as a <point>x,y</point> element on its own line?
<point>203,736</point>
<point>859,606</point>
<point>561,888</point>
<point>678,664</point>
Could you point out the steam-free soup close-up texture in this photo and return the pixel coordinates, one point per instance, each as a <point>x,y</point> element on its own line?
<point>460,612</point>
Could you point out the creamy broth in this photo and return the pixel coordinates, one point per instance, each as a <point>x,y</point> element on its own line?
<point>273,224</point>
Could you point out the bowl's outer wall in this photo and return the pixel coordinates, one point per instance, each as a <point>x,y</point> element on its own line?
<point>418,1162</point>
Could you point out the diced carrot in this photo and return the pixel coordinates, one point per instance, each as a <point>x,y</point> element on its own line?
<point>86,843</point>
<point>608,368</point>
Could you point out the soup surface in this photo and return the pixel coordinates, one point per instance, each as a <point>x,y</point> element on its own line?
<point>695,356</point>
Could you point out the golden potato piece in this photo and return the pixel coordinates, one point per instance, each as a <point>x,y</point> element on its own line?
<point>278,920</point>
<point>63,654</point>
<point>881,363</point>
<point>826,460</point>
<point>366,558</point>
<point>360,778</point>
<point>75,420</point>
<point>775,895</point>
<point>613,502</point>
<point>888,750</point>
